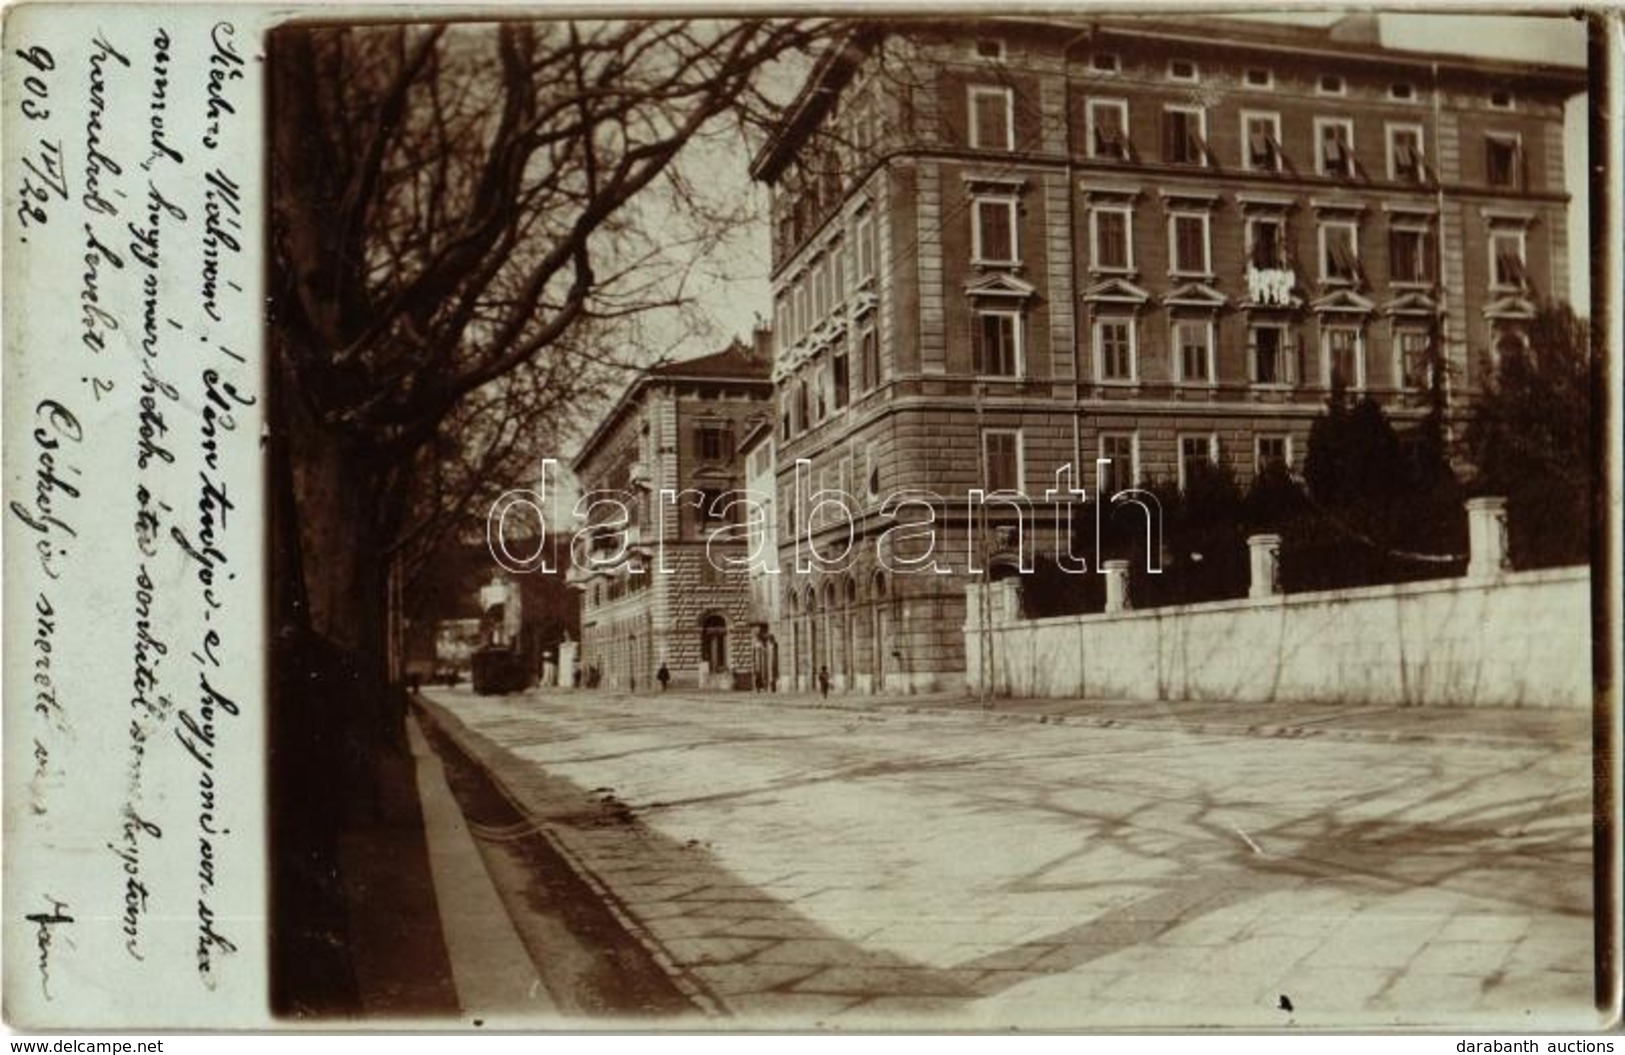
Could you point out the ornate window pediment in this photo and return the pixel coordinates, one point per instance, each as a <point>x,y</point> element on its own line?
<point>1117,291</point>
<point>1511,306</point>
<point>1417,303</point>
<point>1195,295</point>
<point>1345,301</point>
<point>1000,285</point>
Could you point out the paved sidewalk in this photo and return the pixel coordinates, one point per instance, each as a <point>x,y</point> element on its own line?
<point>922,862</point>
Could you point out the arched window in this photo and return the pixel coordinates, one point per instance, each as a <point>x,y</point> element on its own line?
<point>879,585</point>
<point>714,642</point>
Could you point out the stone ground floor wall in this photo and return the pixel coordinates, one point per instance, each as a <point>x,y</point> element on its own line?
<point>1521,639</point>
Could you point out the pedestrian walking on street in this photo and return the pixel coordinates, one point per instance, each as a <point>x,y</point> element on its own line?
<point>823,682</point>
<point>663,676</point>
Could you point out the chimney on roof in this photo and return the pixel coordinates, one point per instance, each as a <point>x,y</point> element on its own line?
<point>761,342</point>
<point>1361,27</point>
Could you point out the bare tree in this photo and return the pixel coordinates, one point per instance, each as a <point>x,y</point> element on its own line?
<point>459,211</point>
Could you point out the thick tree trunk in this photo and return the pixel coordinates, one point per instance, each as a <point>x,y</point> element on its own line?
<point>335,726</point>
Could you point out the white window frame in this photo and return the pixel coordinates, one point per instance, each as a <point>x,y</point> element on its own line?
<point>1269,77</point>
<point>1196,71</point>
<point>1127,212</point>
<point>1511,103</point>
<point>1115,63</point>
<point>1426,232</point>
<point>1015,316</point>
<point>1212,439</point>
<point>1358,383</point>
<point>1021,457</point>
<point>1414,96</point>
<point>1133,437</point>
<point>1008,95</point>
<point>1248,116</point>
<point>1497,233</point>
<point>1286,372</point>
<point>1400,333</point>
<point>1178,351</point>
<point>1389,130</point>
<point>1174,216</point>
<point>1126,319</point>
<point>1354,244</point>
<point>1342,85</point>
<point>1347,124</point>
<point>1011,206</point>
<point>1250,237</point>
<point>1258,452</point>
<point>1121,106</point>
<point>1201,132</point>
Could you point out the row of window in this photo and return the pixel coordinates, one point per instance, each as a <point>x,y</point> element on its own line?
<point>995,240</point>
<point>1004,463</point>
<point>829,384</point>
<point>1185,141</point>
<point>820,291</point>
<point>1274,355</point>
<point>1188,71</point>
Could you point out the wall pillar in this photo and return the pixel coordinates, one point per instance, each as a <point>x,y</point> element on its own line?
<point>1117,596</point>
<point>1264,564</point>
<point>1487,538</point>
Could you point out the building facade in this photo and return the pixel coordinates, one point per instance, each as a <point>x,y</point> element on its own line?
<point>662,576</point>
<point>1006,246</point>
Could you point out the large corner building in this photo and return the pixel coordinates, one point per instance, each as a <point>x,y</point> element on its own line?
<point>1005,245</point>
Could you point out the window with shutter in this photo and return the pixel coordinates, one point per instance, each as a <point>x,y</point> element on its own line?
<point>1507,249</point>
<point>1111,239</point>
<point>1190,243</point>
<point>1001,460</point>
<point>1267,245</point>
<point>990,118</point>
<point>998,343</point>
<point>995,231</point>
<point>1339,258</point>
<point>1192,339</point>
<point>1405,154</point>
<point>1269,359</point>
<point>1262,142</point>
<point>1183,141</point>
<point>1108,136</point>
<point>1502,162</point>
<point>1336,149</point>
<point>1114,347</point>
<point>1117,450</point>
<point>1415,355</point>
<point>1344,367</point>
<point>1409,259</point>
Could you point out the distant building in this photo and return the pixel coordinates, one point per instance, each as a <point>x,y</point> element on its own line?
<point>667,458</point>
<point>1004,245</point>
<point>757,448</point>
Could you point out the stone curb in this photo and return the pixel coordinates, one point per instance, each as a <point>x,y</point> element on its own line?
<point>478,748</point>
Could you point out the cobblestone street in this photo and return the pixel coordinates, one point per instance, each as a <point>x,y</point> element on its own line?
<point>925,862</point>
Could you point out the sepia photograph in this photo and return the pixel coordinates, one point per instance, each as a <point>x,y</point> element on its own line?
<point>673,524</point>
<point>1034,520</point>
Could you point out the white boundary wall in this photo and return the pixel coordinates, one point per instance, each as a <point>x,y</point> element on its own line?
<point>1518,640</point>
